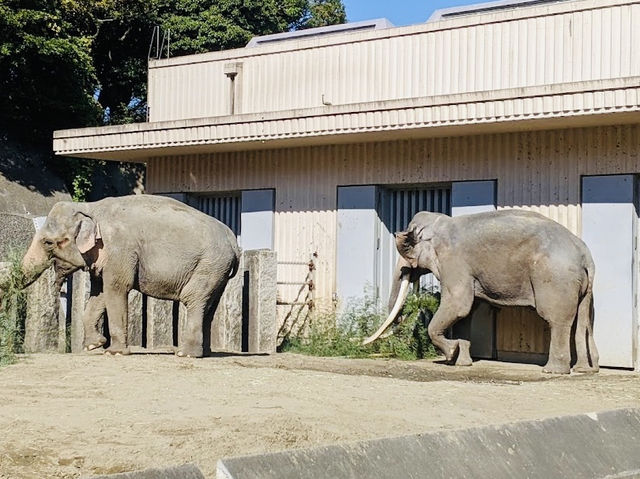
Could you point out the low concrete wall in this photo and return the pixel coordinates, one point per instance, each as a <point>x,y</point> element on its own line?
<point>598,445</point>
<point>245,319</point>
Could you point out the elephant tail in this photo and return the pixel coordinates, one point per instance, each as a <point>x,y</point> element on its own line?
<point>236,262</point>
<point>585,344</point>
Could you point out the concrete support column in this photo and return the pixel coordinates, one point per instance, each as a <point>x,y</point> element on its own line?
<point>358,225</point>
<point>81,289</point>
<point>134,329</point>
<point>469,197</point>
<point>260,277</point>
<point>43,320</point>
<point>43,307</point>
<point>226,328</point>
<point>608,228</point>
<point>257,219</point>
<point>159,323</point>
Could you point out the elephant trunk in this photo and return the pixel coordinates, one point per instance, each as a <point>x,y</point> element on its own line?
<point>35,262</point>
<point>400,299</point>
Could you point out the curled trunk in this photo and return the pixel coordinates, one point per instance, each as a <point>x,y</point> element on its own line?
<point>35,262</point>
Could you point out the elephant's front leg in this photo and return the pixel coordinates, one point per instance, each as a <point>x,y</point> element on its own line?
<point>92,314</point>
<point>115,299</point>
<point>453,307</point>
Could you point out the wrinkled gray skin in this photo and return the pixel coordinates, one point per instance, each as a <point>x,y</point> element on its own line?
<point>156,245</point>
<point>507,258</point>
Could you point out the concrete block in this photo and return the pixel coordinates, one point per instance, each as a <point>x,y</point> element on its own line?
<point>41,329</point>
<point>159,323</point>
<point>134,329</point>
<point>261,266</point>
<point>188,471</point>
<point>586,446</point>
<point>226,328</point>
<point>81,289</point>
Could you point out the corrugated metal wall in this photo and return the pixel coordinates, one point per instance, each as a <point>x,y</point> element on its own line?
<point>593,43</point>
<point>537,170</point>
<point>225,208</point>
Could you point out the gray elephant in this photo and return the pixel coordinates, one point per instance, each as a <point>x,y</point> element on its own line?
<point>507,258</point>
<point>156,245</point>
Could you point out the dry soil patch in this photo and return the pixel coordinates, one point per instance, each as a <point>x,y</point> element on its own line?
<point>66,415</point>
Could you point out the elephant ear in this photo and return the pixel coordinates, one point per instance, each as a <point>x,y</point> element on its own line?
<point>88,234</point>
<point>405,242</point>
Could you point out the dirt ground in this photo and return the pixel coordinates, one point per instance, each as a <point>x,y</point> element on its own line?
<point>63,416</point>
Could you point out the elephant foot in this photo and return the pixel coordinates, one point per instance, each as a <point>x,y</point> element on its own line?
<point>464,353</point>
<point>585,368</point>
<point>91,344</point>
<point>556,368</point>
<point>189,352</point>
<point>115,350</point>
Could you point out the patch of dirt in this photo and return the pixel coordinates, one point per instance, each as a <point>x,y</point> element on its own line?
<point>62,416</point>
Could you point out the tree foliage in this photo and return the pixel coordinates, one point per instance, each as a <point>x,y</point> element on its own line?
<point>71,63</point>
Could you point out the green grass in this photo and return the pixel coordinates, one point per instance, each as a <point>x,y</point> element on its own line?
<point>12,311</point>
<point>343,335</point>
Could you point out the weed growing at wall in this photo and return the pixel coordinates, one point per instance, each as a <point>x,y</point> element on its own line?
<point>342,335</point>
<point>12,309</point>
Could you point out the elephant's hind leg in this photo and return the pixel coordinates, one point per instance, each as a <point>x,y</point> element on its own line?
<point>558,308</point>
<point>192,339</point>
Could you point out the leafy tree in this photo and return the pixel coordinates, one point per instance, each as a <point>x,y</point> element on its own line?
<point>47,78</point>
<point>74,63</point>
<point>196,26</point>
<point>325,12</point>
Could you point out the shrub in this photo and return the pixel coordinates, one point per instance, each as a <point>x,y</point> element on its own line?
<point>342,335</point>
<point>12,310</point>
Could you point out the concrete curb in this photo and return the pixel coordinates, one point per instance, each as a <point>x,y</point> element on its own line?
<point>187,471</point>
<point>595,445</point>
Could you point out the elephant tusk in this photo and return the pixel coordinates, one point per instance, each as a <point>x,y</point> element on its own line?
<point>402,296</point>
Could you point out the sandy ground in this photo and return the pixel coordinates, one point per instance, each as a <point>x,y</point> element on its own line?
<point>64,416</point>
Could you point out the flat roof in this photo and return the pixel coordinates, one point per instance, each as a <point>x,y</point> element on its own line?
<point>375,24</point>
<point>485,7</point>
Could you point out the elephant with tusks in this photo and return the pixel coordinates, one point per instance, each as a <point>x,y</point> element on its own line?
<point>507,258</point>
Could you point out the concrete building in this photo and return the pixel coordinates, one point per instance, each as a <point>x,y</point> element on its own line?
<point>320,146</point>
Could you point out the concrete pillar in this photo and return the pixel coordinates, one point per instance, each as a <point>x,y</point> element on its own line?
<point>257,219</point>
<point>261,274</point>
<point>358,225</point>
<point>159,323</point>
<point>134,329</point>
<point>41,324</point>
<point>470,197</point>
<point>81,289</point>
<point>608,228</point>
<point>226,328</point>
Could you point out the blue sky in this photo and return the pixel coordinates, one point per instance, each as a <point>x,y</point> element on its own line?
<point>399,12</point>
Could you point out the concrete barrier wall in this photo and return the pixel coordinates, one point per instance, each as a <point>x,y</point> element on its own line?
<point>598,445</point>
<point>245,319</point>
